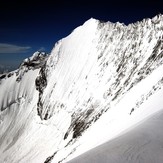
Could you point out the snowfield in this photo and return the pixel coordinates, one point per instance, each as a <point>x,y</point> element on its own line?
<point>102,84</point>
<point>143,143</point>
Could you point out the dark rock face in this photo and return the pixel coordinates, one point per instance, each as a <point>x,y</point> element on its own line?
<point>2,76</point>
<point>41,83</point>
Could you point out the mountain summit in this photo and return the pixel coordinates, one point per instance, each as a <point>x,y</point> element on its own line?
<point>98,82</point>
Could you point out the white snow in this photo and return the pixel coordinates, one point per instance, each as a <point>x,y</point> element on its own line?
<point>98,83</point>
<point>117,120</point>
<point>142,143</point>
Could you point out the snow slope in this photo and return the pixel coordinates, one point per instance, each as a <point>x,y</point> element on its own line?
<point>96,84</point>
<point>143,143</point>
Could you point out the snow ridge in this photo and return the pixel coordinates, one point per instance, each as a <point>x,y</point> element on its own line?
<point>55,103</point>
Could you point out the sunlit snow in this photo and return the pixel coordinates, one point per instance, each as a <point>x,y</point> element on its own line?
<point>100,82</point>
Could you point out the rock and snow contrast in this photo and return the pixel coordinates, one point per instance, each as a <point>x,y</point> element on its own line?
<point>102,83</point>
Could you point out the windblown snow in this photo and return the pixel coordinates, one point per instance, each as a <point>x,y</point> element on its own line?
<point>97,84</point>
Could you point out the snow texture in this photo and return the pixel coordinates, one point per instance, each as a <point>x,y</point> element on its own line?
<point>143,144</point>
<point>97,84</point>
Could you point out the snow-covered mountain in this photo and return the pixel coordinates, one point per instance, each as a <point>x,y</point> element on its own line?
<point>97,83</point>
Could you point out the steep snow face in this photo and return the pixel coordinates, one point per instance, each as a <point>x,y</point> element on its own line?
<point>97,81</point>
<point>18,103</point>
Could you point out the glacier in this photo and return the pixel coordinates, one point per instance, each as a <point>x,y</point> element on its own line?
<point>97,84</point>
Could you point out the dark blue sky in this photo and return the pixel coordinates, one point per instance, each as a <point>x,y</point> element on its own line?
<point>28,26</point>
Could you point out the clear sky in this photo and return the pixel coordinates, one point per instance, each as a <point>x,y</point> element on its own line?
<point>28,26</point>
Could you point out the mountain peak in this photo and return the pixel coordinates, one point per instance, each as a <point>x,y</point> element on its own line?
<point>97,83</point>
<point>157,18</point>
